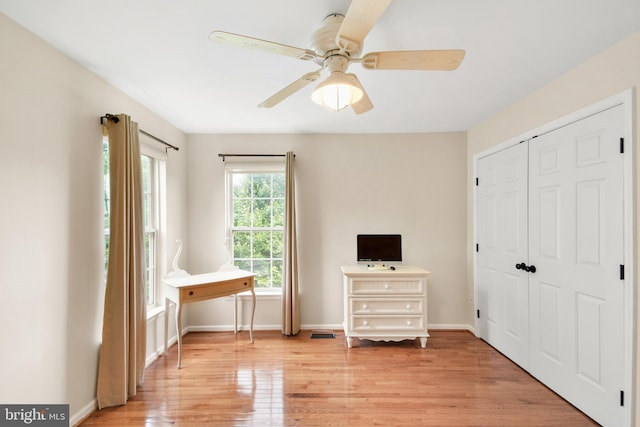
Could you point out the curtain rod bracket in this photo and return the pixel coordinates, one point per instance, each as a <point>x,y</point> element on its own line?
<point>224,155</point>
<point>116,119</point>
<point>108,116</point>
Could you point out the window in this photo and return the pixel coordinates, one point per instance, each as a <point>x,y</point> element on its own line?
<point>153,184</point>
<point>255,198</point>
<point>150,211</point>
<point>107,198</point>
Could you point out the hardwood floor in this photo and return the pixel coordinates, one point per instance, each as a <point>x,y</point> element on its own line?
<point>458,380</point>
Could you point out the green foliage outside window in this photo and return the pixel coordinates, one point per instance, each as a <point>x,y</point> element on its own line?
<point>257,225</point>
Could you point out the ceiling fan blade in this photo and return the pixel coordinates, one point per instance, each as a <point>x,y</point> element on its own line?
<point>264,45</point>
<point>290,89</point>
<point>360,18</point>
<point>365,103</point>
<point>442,60</point>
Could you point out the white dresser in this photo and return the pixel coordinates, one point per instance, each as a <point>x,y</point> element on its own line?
<point>385,305</point>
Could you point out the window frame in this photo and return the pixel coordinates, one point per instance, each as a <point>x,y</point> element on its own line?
<point>106,208</point>
<point>158,229</point>
<point>256,167</point>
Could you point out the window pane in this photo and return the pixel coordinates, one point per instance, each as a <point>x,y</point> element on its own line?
<point>241,185</point>
<point>243,265</point>
<point>148,205</point>
<point>276,273</point>
<point>262,185</point>
<point>241,245</point>
<point>147,259</point>
<point>107,200</point>
<point>261,244</point>
<point>277,244</point>
<point>278,185</point>
<point>242,213</point>
<point>147,191</point>
<point>107,207</point>
<point>278,212</point>
<point>106,254</point>
<point>262,213</point>
<point>262,269</point>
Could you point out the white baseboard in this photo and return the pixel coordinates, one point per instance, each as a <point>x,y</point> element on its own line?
<point>83,413</point>
<point>159,351</point>
<point>452,327</point>
<point>229,328</point>
<point>311,326</point>
<point>153,357</point>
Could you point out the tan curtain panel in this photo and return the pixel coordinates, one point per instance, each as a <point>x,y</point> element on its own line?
<point>290,303</point>
<point>123,350</point>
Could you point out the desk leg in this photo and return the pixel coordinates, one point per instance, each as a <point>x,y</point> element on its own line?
<point>253,312</point>
<point>179,330</point>
<point>235,313</point>
<point>166,324</point>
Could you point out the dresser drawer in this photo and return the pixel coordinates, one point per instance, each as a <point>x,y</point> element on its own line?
<point>212,290</point>
<point>407,286</point>
<point>369,306</point>
<point>395,324</point>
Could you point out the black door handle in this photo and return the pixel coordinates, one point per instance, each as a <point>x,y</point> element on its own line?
<point>525,267</point>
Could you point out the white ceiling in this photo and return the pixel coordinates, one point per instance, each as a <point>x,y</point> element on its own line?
<point>158,52</point>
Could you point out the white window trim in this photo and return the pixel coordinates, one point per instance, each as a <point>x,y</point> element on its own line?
<point>149,148</point>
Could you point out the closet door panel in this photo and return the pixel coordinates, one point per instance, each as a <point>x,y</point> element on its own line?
<point>502,236</point>
<point>576,244</point>
<point>549,301</point>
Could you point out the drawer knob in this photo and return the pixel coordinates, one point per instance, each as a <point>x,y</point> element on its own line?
<point>365,306</point>
<point>408,306</point>
<point>408,322</point>
<point>190,293</point>
<point>386,286</point>
<point>246,284</point>
<point>365,323</point>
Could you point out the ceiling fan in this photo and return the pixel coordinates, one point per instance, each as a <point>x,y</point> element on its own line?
<point>335,45</point>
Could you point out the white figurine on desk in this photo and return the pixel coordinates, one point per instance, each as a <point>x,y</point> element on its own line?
<point>228,265</point>
<point>177,272</point>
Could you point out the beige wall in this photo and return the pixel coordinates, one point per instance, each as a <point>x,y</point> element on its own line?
<point>51,253</point>
<point>605,75</point>
<point>412,184</point>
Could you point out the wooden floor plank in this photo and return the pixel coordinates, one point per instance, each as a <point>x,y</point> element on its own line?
<point>458,380</point>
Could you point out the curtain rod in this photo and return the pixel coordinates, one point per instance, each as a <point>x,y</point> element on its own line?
<point>251,155</point>
<point>116,119</point>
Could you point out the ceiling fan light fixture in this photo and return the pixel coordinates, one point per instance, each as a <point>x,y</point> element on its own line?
<point>336,92</point>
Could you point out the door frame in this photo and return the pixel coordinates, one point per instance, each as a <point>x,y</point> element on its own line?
<point>625,99</point>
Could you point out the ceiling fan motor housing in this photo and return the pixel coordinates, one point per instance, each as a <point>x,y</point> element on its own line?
<point>336,62</point>
<point>323,40</point>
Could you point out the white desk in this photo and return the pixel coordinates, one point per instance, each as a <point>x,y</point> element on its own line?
<point>200,287</point>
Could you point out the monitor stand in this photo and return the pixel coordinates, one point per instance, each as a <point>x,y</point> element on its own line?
<point>377,266</point>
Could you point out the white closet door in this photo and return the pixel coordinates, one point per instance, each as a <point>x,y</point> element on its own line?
<point>502,236</point>
<point>576,245</point>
